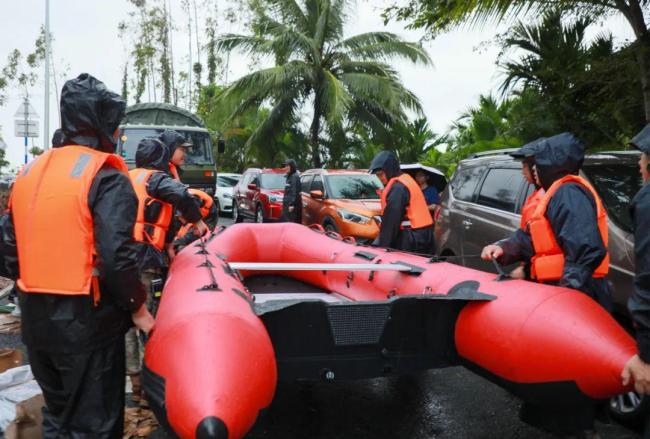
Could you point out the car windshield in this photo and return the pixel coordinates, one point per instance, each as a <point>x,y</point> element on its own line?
<point>273,181</point>
<point>200,153</point>
<point>616,184</point>
<point>353,187</point>
<point>223,181</point>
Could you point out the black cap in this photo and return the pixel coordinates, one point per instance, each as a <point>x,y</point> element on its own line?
<point>642,140</point>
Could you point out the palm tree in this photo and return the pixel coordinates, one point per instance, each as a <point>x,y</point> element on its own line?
<point>343,81</point>
<point>441,16</point>
<point>554,54</point>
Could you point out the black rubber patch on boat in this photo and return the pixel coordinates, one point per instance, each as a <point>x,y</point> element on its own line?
<point>207,263</point>
<point>415,270</point>
<point>468,290</point>
<point>365,255</point>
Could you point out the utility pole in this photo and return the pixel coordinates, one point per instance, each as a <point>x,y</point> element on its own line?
<point>26,125</point>
<point>46,110</point>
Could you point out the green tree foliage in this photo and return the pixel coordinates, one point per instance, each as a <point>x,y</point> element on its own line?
<point>441,16</point>
<point>584,87</point>
<point>236,132</point>
<point>343,82</point>
<point>21,71</point>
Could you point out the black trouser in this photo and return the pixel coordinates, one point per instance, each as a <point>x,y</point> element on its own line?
<point>84,393</point>
<point>417,240</point>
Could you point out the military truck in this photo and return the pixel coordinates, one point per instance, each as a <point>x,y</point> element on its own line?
<point>151,119</point>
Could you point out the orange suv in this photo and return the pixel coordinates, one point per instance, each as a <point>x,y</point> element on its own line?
<point>342,201</point>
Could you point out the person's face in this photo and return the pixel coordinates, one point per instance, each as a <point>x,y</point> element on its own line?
<point>528,173</point>
<point>421,178</point>
<point>643,167</point>
<point>536,176</point>
<point>178,158</point>
<point>381,175</point>
<point>286,168</point>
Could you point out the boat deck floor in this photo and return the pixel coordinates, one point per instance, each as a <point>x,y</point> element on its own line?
<point>268,288</point>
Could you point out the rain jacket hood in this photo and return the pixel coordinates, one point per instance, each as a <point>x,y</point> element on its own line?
<point>152,154</point>
<point>558,156</point>
<point>528,150</point>
<point>172,140</point>
<point>90,113</point>
<point>642,140</point>
<point>388,162</point>
<point>291,163</point>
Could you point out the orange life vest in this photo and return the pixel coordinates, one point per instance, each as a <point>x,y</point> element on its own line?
<point>149,232</point>
<point>174,171</point>
<point>529,207</point>
<point>53,222</point>
<point>417,212</point>
<point>548,262</point>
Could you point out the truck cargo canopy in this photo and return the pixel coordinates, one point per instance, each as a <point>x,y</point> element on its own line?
<point>161,114</point>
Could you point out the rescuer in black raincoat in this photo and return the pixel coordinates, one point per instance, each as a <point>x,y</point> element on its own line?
<point>152,154</point>
<point>638,368</point>
<point>392,233</point>
<point>572,216</point>
<point>76,349</point>
<point>292,198</point>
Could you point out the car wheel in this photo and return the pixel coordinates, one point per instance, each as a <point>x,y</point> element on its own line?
<point>629,408</point>
<point>330,226</point>
<point>259,214</point>
<point>236,217</point>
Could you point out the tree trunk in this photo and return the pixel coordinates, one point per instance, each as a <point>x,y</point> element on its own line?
<point>314,132</point>
<point>633,12</point>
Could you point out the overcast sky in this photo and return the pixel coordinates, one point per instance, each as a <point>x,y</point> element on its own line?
<point>86,41</point>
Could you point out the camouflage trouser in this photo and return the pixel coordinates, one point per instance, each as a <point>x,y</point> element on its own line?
<point>134,343</point>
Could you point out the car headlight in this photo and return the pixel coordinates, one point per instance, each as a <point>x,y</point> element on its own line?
<point>353,217</point>
<point>227,196</point>
<point>275,199</point>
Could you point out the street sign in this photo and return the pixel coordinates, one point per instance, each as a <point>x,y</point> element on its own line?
<point>31,112</point>
<point>26,130</point>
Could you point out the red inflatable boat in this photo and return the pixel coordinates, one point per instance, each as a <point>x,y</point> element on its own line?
<point>255,303</point>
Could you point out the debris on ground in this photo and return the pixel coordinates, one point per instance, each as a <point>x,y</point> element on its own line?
<point>16,386</point>
<point>9,324</point>
<point>29,420</point>
<point>10,358</point>
<point>138,423</point>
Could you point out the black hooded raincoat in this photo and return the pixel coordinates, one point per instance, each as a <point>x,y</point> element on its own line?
<point>390,233</point>
<point>572,214</point>
<point>76,349</point>
<point>152,154</point>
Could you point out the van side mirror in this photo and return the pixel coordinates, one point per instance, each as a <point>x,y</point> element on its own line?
<point>221,146</point>
<point>252,186</point>
<point>317,195</point>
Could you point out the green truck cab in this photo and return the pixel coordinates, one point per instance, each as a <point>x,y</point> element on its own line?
<point>151,119</point>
